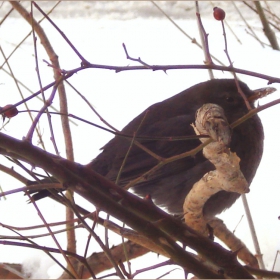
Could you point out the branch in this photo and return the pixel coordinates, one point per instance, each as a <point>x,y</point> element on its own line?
<point>266,28</point>
<point>62,101</point>
<point>210,119</point>
<point>137,213</point>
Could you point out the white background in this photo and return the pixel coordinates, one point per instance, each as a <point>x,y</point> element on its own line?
<point>97,30</point>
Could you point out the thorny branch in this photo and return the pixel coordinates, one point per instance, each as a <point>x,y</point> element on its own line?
<point>132,210</point>
<point>162,233</point>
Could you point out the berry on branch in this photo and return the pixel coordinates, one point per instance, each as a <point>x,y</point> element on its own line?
<point>8,113</point>
<point>219,14</point>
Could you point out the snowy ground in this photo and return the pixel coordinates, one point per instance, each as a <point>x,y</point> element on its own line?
<point>98,29</point>
<point>127,10</point>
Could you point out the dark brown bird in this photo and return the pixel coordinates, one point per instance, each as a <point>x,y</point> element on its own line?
<point>169,185</point>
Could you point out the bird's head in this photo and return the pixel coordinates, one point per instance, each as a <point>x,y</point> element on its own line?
<point>225,93</point>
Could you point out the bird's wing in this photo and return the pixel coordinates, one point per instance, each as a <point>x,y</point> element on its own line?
<point>108,163</point>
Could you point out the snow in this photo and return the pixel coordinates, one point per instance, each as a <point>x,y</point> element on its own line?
<point>98,29</point>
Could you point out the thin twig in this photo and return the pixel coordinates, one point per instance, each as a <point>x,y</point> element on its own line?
<point>70,73</point>
<point>40,82</point>
<point>129,136</point>
<point>247,24</point>
<point>60,32</point>
<point>193,40</point>
<point>22,97</point>
<point>204,39</point>
<point>36,120</point>
<point>266,28</point>
<point>97,239</point>
<point>135,59</point>
<point>35,246</point>
<point>253,232</point>
<point>53,237</point>
<point>91,107</point>
<point>240,91</point>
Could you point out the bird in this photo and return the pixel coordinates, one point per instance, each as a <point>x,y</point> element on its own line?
<point>172,118</point>
<point>169,185</point>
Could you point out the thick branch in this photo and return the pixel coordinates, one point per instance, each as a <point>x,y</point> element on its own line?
<point>211,120</point>
<point>137,213</point>
<point>63,105</point>
<point>266,28</point>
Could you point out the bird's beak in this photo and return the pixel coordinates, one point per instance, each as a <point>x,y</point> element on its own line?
<point>260,93</point>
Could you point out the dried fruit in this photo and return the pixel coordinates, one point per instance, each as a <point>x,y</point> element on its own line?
<point>219,14</point>
<point>13,111</point>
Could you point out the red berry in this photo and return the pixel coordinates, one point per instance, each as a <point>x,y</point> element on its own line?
<point>219,14</point>
<point>9,113</point>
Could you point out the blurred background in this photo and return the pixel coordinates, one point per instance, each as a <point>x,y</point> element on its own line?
<point>160,33</point>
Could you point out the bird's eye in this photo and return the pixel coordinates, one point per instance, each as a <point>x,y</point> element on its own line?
<point>230,99</point>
